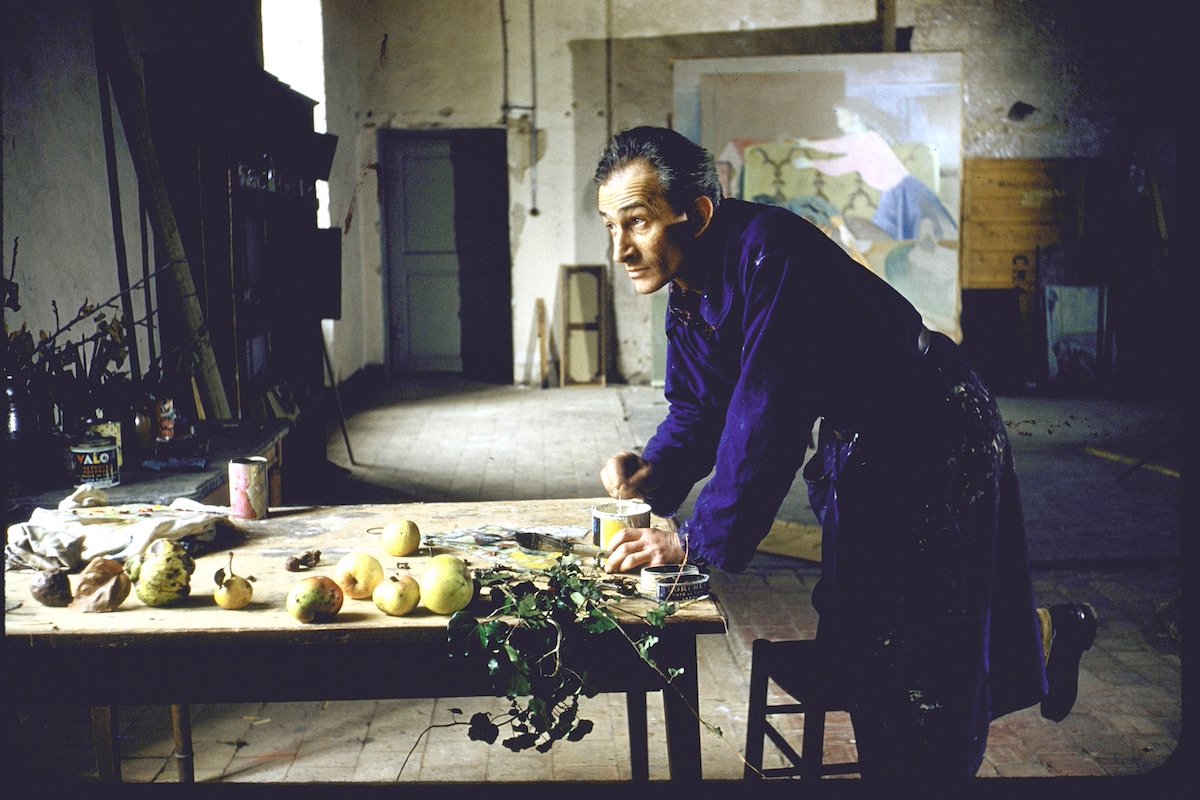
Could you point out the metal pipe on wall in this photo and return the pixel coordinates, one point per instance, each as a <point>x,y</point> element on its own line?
<point>532,107</point>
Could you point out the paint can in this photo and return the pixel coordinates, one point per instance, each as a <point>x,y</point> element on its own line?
<point>164,419</point>
<point>248,487</point>
<point>610,518</point>
<point>112,428</point>
<point>94,461</point>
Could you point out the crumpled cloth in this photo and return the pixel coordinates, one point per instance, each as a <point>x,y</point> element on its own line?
<point>62,538</point>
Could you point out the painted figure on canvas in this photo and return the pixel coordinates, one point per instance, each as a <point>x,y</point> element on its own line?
<point>866,147</point>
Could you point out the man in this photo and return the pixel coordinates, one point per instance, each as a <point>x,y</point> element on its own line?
<point>925,598</point>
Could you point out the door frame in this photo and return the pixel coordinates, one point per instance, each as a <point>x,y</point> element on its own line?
<point>481,243</point>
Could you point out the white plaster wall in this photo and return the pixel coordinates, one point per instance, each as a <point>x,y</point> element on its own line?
<point>632,18</point>
<point>57,212</point>
<point>436,71</point>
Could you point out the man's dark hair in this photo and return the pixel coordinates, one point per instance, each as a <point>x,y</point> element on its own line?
<point>685,169</point>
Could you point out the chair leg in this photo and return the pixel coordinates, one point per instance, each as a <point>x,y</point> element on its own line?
<point>756,714</point>
<point>639,743</point>
<point>812,748</point>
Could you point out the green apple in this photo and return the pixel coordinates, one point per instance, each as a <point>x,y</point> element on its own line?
<point>317,598</point>
<point>358,573</point>
<point>400,537</point>
<point>447,584</point>
<point>397,595</point>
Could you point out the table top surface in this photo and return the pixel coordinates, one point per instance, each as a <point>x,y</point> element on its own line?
<point>261,548</point>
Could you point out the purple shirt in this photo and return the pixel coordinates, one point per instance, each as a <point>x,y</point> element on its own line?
<point>787,328</point>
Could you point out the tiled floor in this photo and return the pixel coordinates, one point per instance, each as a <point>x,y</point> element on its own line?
<point>446,440</point>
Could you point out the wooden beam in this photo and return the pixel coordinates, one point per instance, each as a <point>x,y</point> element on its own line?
<point>180,298</point>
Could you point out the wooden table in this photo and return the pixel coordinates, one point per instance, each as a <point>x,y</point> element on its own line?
<point>183,655</point>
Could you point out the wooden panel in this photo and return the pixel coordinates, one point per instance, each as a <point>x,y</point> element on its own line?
<point>582,292</point>
<point>1012,206</point>
<point>993,269</point>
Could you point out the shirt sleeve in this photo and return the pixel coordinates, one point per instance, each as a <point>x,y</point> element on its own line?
<point>767,424</point>
<point>684,446</point>
<point>740,414</point>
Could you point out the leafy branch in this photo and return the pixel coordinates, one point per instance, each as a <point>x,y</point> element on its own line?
<point>523,643</point>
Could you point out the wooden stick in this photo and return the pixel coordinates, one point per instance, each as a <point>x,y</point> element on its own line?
<point>180,299</point>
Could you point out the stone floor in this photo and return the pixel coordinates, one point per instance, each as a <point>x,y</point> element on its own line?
<point>436,440</point>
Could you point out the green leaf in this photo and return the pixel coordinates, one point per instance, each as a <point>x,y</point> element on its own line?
<point>460,629</point>
<point>644,644</point>
<point>581,730</point>
<point>483,729</point>
<point>521,742</point>
<point>657,616</point>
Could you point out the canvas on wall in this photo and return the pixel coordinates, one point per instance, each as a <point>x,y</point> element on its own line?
<point>867,147</point>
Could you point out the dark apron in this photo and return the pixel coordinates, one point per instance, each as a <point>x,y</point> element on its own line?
<point>925,598</point>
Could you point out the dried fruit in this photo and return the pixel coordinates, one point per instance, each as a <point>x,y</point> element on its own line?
<point>103,586</point>
<point>51,587</point>
<point>307,561</point>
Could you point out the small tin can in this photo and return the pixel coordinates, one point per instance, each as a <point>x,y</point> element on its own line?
<point>248,487</point>
<point>111,428</point>
<point>94,461</point>
<point>164,420</point>
<point>608,519</point>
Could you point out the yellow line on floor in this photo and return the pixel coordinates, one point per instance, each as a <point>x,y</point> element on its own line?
<point>1127,460</point>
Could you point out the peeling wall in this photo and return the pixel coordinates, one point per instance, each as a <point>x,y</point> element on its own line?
<point>1099,84</point>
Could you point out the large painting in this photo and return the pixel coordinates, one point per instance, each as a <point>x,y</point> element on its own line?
<point>867,147</point>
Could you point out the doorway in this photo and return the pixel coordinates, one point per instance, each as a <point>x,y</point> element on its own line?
<point>447,270</point>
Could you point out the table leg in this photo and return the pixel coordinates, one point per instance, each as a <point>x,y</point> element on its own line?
<point>181,722</point>
<point>681,708</point>
<point>108,747</point>
<point>639,744</point>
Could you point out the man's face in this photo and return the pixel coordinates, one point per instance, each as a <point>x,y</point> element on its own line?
<point>645,230</point>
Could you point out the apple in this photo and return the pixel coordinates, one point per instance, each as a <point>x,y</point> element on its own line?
<point>401,537</point>
<point>447,584</point>
<point>233,591</point>
<point>358,573</point>
<point>317,598</point>
<point>397,595</point>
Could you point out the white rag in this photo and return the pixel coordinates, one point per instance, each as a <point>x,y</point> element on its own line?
<point>62,538</point>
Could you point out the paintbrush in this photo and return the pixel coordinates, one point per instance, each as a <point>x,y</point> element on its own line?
<point>539,541</point>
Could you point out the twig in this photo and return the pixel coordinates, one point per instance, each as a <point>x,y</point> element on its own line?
<point>82,314</point>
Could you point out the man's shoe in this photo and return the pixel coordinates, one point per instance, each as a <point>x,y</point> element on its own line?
<point>1074,630</point>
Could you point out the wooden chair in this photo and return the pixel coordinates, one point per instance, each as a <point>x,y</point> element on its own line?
<point>795,667</point>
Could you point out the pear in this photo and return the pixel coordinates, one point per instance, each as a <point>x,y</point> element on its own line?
<point>233,591</point>
<point>162,574</point>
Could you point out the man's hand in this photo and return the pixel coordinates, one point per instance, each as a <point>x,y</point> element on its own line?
<point>626,476</point>
<point>643,547</point>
